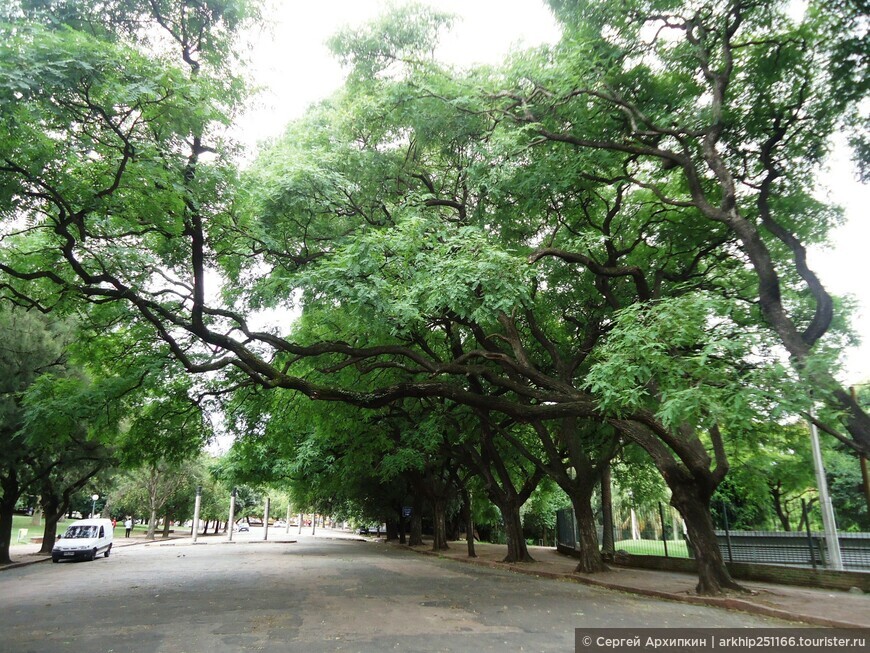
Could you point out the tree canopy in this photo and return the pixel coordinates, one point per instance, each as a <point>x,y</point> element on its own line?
<point>595,243</point>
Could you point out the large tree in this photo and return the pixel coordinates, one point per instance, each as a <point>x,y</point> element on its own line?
<point>394,209</point>
<point>57,424</point>
<point>28,348</point>
<point>724,111</point>
<point>68,432</point>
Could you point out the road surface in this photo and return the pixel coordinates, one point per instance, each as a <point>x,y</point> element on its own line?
<point>312,595</point>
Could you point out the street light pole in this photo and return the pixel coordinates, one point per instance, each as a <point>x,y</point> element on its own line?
<point>196,506</point>
<point>232,520</point>
<point>828,520</point>
<point>266,520</point>
<point>94,498</point>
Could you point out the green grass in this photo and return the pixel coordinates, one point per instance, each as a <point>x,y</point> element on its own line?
<point>23,521</point>
<point>653,548</point>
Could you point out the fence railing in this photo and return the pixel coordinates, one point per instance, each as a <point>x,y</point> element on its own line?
<point>662,533</point>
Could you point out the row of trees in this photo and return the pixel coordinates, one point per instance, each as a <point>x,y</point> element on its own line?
<point>75,409</point>
<point>503,273</point>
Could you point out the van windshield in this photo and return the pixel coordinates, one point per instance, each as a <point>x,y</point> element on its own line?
<point>81,532</point>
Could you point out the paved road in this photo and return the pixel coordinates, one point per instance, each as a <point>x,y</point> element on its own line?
<point>313,595</point>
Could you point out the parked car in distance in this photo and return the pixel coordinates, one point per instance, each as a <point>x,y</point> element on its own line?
<point>241,528</point>
<point>84,540</point>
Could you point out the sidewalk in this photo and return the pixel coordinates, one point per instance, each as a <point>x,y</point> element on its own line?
<point>813,606</point>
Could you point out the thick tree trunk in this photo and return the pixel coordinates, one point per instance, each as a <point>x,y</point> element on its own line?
<point>454,528</point>
<point>694,506</point>
<point>517,551</point>
<point>416,537</point>
<point>152,521</point>
<point>692,483</point>
<point>166,523</point>
<point>53,511</point>
<point>439,509</point>
<point>7,509</point>
<point>468,516</point>
<point>587,535</point>
<point>392,530</point>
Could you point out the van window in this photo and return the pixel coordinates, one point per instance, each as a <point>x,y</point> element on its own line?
<point>102,533</point>
<point>81,532</point>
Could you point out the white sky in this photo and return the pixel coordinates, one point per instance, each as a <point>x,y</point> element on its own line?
<point>293,65</point>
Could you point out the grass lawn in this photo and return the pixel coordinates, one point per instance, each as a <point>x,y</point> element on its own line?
<point>676,549</point>
<point>23,521</point>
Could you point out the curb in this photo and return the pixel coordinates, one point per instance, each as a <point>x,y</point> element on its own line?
<point>740,605</point>
<point>25,563</point>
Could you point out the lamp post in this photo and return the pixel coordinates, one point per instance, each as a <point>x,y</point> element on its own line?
<point>829,522</point>
<point>196,506</point>
<point>232,519</point>
<point>266,520</point>
<point>94,498</point>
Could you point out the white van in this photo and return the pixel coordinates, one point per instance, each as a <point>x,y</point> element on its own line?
<point>84,539</point>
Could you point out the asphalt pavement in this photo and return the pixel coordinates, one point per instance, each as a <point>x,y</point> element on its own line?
<point>323,593</point>
<point>809,606</point>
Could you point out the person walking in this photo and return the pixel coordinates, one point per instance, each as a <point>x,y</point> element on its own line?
<point>128,525</point>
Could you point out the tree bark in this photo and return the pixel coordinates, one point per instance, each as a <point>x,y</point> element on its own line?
<point>392,530</point>
<point>454,526</point>
<point>517,550</point>
<point>152,520</point>
<point>439,510</point>
<point>52,510</point>
<point>685,467</point>
<point>573,467</point>
<point>468,516</point>
<point>694,506</point>
<point>416,535</point>
<point>590,560</point>
<point>7,510</point>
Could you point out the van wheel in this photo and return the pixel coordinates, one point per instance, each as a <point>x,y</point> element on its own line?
<point>106,554</point>
<point>93,555</point>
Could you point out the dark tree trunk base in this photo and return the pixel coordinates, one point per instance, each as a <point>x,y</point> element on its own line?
<point>591,561</point>
<point>591,567</point>
<point>713,575</point>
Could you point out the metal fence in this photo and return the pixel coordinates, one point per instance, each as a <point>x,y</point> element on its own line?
<point>661,532</point>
